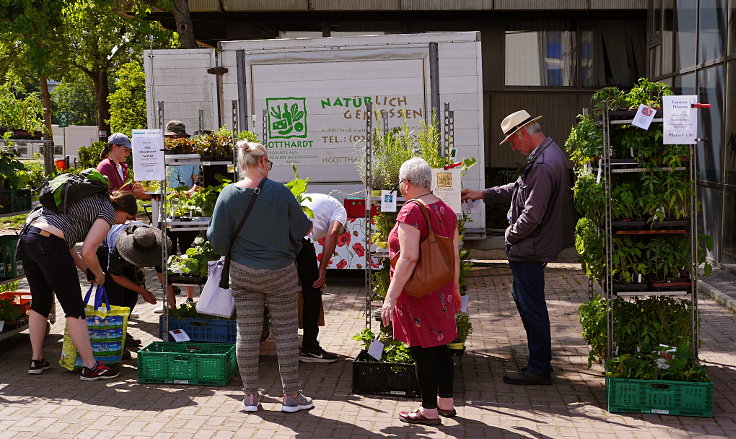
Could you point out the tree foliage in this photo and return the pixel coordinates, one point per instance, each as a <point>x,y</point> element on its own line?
<point>128,101</point>
<point>76,95</point>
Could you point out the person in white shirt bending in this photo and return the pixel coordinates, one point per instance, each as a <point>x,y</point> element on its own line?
<point>329,221</point>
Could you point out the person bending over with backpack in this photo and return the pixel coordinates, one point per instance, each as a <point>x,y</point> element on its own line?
<point>46,247</point>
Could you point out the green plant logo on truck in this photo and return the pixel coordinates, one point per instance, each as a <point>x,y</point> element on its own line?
<point>287,118</point>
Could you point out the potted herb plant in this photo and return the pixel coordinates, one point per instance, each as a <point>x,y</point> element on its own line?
<point>10,314</point>
<point>464,329</point>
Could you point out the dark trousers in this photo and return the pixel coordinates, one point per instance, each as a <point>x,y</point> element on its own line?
<point>435,373</point>
<point>50,269</point>
<point>528,293</point>
<point>306,264</point>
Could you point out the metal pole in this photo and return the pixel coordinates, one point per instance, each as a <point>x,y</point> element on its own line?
<point>608,232</point>
<point>242,91</point>
<point>160,115</point>
<point>434,81</point>
<point>265,128</point>
<point>236,125</point>
<point>367,227</point>
<point>201,121</point>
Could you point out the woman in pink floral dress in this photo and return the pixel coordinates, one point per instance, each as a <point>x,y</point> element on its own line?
<point>426,324</point>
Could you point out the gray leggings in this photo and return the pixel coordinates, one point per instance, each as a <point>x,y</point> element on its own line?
<point>252,287</point>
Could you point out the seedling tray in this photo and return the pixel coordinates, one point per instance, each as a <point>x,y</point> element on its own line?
<point>205,364</point>
<point>388,379</point>
<point>203,330</point>
<point>659,397</point>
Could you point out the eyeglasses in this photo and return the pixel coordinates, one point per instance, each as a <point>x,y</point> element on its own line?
<point>397,187</point>
<point>270,164</point>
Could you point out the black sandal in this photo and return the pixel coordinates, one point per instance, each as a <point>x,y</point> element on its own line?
<point>447,413</point>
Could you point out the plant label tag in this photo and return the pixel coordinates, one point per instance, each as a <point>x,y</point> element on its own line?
<point>644,117</point>
<point>600,169</point>
<point>464,301</point>
<point>639,277</point>
<point>375,350</point>
<point>388,201</point>
<point>179,335</point>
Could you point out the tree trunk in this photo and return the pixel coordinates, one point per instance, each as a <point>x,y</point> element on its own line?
<point>102,91</point>
<point>48,152</point>
<point>184,25</point>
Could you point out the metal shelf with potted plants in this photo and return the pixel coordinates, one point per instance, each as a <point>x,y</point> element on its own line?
<point>666,205</point>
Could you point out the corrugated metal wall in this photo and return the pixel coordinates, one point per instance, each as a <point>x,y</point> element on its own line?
<point>558,108</point>
<point>422,5</point>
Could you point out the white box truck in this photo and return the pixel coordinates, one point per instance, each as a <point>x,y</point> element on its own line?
<point>261,85</point>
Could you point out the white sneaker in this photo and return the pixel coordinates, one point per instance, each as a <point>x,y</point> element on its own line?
<point>292,405</point>
<point>250,403</point>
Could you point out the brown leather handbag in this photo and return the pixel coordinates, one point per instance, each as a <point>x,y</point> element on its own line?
<point>436,264</point>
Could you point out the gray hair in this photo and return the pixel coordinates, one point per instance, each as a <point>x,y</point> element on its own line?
<point>533,128</point>
<point>250,153</point>
<point>417,171</point>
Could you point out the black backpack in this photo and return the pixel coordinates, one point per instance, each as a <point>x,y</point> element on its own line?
<point>64,190</point>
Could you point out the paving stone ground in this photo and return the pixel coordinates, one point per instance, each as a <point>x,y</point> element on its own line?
<point>58,405</point>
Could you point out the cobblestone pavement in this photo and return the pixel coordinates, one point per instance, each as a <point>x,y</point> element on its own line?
<point>58,405</point>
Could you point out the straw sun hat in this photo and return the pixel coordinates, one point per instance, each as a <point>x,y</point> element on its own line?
<point>514,122</point>
<point>141,245</point>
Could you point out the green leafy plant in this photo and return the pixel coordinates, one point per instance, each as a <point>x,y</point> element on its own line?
<point>188,310</point>
<point>19,113</point>
<point>128,100</point>
<point>656,365</point>
<point>394,351</point>
<point>585,142</point>
<point>298,188</point>
<point>464,327</point>
<point>194,260</point>
<point>640,325</point>
<point>627,261</point>
<point>9,311</point>
<point>590,197</point>
<point>89,156</point>
<point>12,171</point>
<point>589,245</point>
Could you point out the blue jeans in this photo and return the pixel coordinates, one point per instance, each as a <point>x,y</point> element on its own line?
<point>528,293</point>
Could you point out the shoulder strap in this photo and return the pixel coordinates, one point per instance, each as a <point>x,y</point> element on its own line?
<point>425,212</point>
<point>256,192</point>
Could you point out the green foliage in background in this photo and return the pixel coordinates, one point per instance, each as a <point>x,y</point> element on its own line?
<point>128,101</point>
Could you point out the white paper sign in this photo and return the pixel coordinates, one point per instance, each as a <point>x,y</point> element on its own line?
<point>680,120</point>
<point>388,201</point>
<point>464,301</point>
<point>375,350</point>
<point>148,155</point>
<point>179,335</point>
<point>644,117</point>
<point>446,186</point>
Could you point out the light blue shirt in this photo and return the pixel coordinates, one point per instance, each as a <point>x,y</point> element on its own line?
<point>181,175</point>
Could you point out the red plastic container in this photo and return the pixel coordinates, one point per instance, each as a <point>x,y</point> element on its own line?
<point>356,208</point>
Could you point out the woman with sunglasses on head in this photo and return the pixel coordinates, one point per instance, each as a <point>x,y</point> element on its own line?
<point>46,247</point>
<point>262,269</point>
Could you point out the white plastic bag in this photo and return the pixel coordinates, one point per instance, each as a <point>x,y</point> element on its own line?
<point>216,301</point>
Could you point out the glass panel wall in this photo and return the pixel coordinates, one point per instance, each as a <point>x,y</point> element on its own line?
<point>540,57</point>
<point>668,26</point>
<point>684,85</point>
<point>711,88</point>
<point>711,38</point>
<point>729,153</point>
<point>685,19</point>
<point>728,255</point>
<point>709,220</point>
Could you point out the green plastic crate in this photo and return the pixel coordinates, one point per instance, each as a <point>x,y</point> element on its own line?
<point>20,200</point>
<point>205,364</point>
<point>659,397</point>
<point>12,266</point>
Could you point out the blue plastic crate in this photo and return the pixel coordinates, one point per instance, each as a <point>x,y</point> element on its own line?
<point>202,330</point>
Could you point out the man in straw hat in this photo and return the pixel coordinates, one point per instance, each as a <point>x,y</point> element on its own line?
<point>541,225</point>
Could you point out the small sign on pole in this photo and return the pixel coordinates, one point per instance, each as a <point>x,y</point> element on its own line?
<point>680,120</point>
<point>148,155</point>
<point>64,118</point>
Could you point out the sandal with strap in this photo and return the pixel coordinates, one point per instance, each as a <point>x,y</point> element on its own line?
<point>447,413</point>
<point>416,417</point>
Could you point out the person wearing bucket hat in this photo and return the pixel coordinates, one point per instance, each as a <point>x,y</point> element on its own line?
<point>113,164</point>
<point>126,249</point>
<point>541,225</point>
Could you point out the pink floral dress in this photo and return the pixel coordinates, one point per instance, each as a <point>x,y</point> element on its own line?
<point>430,320</point>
